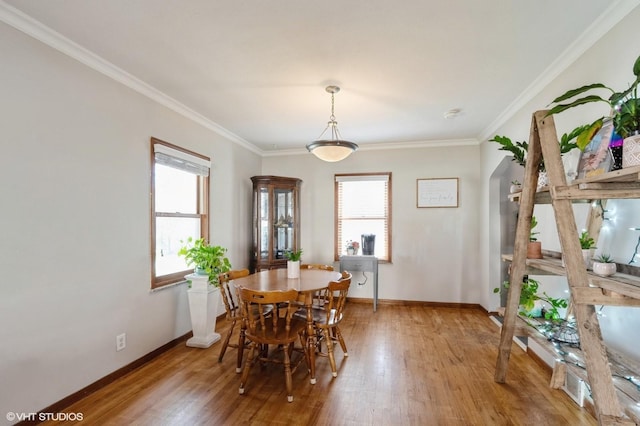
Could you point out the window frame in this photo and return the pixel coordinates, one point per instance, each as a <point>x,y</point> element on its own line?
<point>337,248</point>
<point>202,212</point>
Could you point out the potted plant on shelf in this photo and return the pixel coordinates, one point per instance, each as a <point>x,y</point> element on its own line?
<point>604,265</point>
<point>534,248</point>
<point>206,259</point>
<point>516,186</point>
<point>529,296</point>
<point>587,244</point>
<point>625,107</point>
<point>293,263</point>
<point>519,150</point>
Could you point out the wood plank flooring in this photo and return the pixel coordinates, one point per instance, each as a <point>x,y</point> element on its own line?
<point>407,365</point>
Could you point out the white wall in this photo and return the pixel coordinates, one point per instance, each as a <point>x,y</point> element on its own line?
<point>434,249</point>
<point>74,222</point>
<point>609,61</point>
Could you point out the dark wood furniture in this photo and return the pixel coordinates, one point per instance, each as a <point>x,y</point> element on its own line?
<point>310,282</point>
<point>276,220</point>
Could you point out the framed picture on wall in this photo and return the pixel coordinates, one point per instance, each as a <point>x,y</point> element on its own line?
<point>441,192</point>
<point>596,158</point>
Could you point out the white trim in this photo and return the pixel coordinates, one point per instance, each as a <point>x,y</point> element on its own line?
<point>605,22</point>
<point>25,23</point>
<point>164,287</point>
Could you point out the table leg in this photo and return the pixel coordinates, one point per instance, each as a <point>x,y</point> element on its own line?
<point>311,343</point>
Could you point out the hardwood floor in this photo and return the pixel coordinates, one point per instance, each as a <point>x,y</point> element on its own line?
<point>410,365</point>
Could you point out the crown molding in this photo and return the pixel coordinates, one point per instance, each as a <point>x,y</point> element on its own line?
<point>598,28</point>
<point>25,23</point>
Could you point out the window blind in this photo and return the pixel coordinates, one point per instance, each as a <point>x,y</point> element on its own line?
<point>181,160</point>
<point>363,199</point>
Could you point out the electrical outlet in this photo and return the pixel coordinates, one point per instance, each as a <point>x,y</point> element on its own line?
<point>121,341</point>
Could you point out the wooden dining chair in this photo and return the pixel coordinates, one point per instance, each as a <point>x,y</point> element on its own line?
<point>316,266</point>
<point>320,297</point>
<point>233,313</point>
<point>327,320</point>
<point>264,329</point>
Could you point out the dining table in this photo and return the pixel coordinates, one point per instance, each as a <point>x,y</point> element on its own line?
<point>309,282</point>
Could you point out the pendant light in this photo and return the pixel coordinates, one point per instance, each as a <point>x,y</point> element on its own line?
<point>334,149</point>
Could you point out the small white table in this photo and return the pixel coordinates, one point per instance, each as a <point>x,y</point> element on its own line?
<point>363,264</point>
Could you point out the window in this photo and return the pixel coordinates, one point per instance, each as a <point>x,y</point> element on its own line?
<point>363,207</point>
<point>179,208</point>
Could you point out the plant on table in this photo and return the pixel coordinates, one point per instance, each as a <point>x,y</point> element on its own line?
<point>206,259</point>
<point>293,255</point>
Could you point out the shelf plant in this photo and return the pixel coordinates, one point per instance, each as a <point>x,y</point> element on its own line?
<point>529,295</point>
<point>206,259</point>
<point>604,265</point>
<point>586,242</point>
<point>625,107</point>
<point>519,149</point>
<point>534,248</point>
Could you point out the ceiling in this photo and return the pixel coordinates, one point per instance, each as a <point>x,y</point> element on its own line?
<point>256,71</point>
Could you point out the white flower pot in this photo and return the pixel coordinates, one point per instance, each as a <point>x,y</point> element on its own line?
<point>293,269</point>
<point>604,269</point>
<point>543,180</point>
<point>587,254</point>
<point>631,151</point>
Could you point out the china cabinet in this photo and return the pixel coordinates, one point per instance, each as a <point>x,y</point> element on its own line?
<point>276,221</point>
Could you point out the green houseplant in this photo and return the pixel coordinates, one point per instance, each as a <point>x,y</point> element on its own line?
<point>293,255</point>
<point>534,248</point>
<point>625,106</point>
<point>519,149</point>
<point>529,295</point>
<point>206,259</point>
<point>587,244</point>
<point>293,264</point>
<point>604,265</point>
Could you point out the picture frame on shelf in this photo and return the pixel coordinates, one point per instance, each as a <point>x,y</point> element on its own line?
<point>596,158</point>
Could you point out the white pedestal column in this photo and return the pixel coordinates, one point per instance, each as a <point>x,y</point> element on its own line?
<point>203,307</point>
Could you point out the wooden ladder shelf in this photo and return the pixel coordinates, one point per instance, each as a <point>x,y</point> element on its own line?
<point>585,293</point>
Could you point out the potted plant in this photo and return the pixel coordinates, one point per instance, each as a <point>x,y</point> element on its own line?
<point>519,150</point>
<point>625,107</point>
<point>587,244</point>
<point>293,263</point>
<point>206,259</point>
<point>534,248</point>
<point>604,265</point>
<point>204,294</point>
<point>529,296</point>
<point>516,186</point>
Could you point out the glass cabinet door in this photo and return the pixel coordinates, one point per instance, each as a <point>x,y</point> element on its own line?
<point>263,223</point>
<point>283,226</point>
